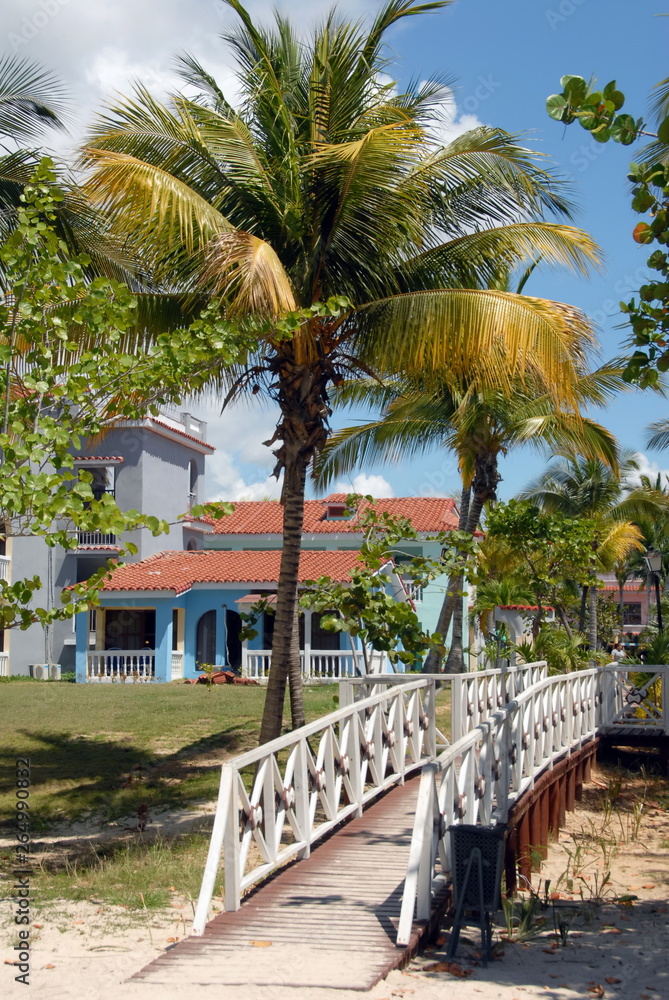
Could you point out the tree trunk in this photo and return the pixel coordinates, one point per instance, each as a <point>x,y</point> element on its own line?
<point>483,488</point>
<point>285,644</point>
<point>592,622</point>
<point>301,375</point>
<point>455,584</point>
<point>621,601</point>
<point>565,621</point>
<point>584,605</point>
<point>455,661</point>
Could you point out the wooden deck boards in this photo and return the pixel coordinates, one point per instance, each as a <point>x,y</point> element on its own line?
<point>331,919</point>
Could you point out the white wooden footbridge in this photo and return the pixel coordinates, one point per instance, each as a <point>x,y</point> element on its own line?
<point>335,838</point>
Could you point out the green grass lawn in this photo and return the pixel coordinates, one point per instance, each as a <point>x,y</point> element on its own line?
<point>104,749</point>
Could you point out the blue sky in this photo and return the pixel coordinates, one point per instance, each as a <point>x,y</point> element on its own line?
<point>506,58</point>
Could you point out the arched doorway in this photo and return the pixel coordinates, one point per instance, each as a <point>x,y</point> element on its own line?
<point>233,644</point>
<point>205,638</point>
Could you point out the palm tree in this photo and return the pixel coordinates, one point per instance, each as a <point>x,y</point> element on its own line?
<point>585,487</point>
<point>327,181</point>
<point>33,102</point>
<point>479,425</point>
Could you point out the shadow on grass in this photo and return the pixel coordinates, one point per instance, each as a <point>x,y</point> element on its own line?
<point>74,777</point>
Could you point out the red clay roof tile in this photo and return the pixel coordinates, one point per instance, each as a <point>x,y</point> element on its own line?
<point>261,517</point>
<point>178,571</point>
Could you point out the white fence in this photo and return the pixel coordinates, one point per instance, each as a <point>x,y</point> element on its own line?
<point>109,666</point>
<point>506,728</point>
<point>294,790</point>
<point>479,777</point>
<point>177,670</point>
<point>474,696</point>
<point>4,664</point>
<point>322,665</point>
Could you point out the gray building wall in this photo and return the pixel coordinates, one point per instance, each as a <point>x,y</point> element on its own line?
<point>159,473</point>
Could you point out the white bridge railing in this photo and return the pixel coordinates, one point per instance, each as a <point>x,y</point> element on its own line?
<point>474,696</point>
<point>294,790</point>
<point>505,728</point>
<point>479,777</point>
<point>121,665</point>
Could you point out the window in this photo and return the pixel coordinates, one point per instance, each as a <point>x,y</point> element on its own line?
<point>126,628</point>
<point>632,613</point>
<point>205,638</point>
<point>192,480</point>
<point>322,638</point>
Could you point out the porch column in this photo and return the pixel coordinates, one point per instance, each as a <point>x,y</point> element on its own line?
<point>308,615</point>
<point>81,634</point>
<point>221,637</point>
<point>163,641</point>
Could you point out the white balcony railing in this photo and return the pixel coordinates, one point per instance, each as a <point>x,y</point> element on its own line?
<point>4,567</point>
<point>94,539</point>
<point>177,665</point>
<point>319,665</point>
<point>121,665</point>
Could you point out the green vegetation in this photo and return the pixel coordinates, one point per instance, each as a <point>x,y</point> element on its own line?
<point>138,876</point>
<point>104,750</point>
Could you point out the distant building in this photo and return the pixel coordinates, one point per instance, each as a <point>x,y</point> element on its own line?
<point>156,466</point>
<point>162,617</point>
<point>636,601</point>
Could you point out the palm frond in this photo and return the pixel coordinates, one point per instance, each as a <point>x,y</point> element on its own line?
<point>491,337</point>
<point>659,438</point>
<point>31,99</point>
<point>247,274</point>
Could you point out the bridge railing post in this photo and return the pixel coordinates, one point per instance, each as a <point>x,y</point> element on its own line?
<point>430,747</point>
<point>457,707</point>
<point>226,813</point>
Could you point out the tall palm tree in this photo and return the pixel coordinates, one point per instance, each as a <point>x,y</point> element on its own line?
<point>585,487</point>
<point>478,425</point>
<point>324,180</point>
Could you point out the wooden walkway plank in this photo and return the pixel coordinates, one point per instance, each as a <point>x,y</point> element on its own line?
<point>331,919</point>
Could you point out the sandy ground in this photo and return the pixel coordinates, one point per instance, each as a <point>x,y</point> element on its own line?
<point>87,951</point>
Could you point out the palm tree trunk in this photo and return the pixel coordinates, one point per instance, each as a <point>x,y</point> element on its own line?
<point>302,430</point>
<point>453,592</point>
<point>584,605</point>
<point>285,644</point>
<point>621,601</point>
<point>455,661</point>
<point>592,620</point>
<point>483,488</point>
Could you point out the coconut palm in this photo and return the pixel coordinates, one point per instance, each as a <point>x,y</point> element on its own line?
<point>479,426</point>
<point>325,180</point>
<point>585,487</point>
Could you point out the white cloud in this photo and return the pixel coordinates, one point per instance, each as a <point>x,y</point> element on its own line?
<point>241,466</point>
<point>375,486</point>
<point>648,468</point>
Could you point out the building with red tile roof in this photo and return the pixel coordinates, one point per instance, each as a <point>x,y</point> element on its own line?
<point>428,515</point>
<point>179,572</point>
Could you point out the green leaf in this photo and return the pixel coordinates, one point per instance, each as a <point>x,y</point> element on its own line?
<point>663,131</point>
<point>574,89</point>
<point>616,97</point>
<point>623,130</point>
<point>643,200</point>
<point>556,106</point>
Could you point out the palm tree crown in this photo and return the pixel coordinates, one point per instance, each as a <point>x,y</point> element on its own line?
<point>322,180</point>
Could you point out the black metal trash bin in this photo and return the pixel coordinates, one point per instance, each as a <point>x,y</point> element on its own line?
<point>477,858</point>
